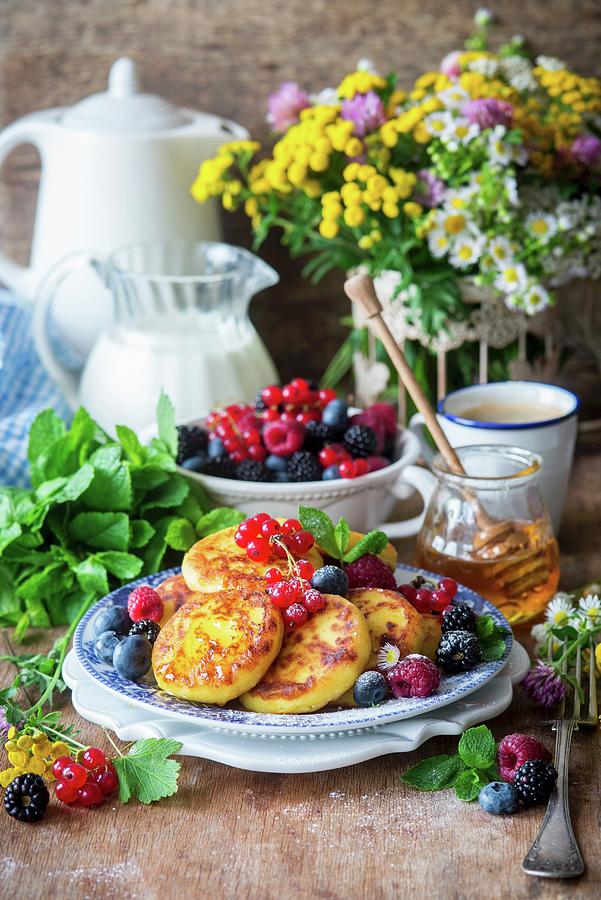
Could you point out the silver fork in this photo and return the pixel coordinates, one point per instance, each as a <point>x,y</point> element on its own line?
<point>555,853</point>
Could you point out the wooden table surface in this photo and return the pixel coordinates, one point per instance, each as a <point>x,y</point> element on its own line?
<point>352,833</point>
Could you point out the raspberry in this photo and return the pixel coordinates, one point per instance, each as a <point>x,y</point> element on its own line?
<point>360,440</point>
<point>534,781</point>
<point>145,603</point>
<point>386,414</point>
<point>370,571</point>
<point>413,676</point>
<point>283,438</point>
<point>516,749</point>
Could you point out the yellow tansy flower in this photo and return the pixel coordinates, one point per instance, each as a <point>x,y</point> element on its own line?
<point>412,209</point>
<point>354,216</point>
<point>390,210</point>
<point>360,83</point>
<point>328,229</point>
<point>353,147</point>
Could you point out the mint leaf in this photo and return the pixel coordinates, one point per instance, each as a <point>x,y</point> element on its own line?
<point>218,519</point>
<point>319,524</point>
<point>493,649</point>
<point>434,774</point>
<point>131,445</point>
<point>45,430</point>
<point>468,785</point>
<point>166,423</point>
<point>372,542</point>
<point>124,566</point>
<point>485,626</point>
<point>146,773</point>
<point>477,747</point>
<point>111,488</point>
<point>105,530</point>
<point>170,493</point>
<point>342,534</point>
<point>180,534</point>
<point>141,532</point>
<point>91,575</point>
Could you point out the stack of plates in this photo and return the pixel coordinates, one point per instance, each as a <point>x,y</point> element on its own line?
<point>287,744</point>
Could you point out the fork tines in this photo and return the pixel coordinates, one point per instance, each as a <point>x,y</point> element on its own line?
<point>581,704</point>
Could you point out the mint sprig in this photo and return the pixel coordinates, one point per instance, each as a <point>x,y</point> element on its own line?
<point>335,539</point>
<point>492,638</point>
<point>467,771</point>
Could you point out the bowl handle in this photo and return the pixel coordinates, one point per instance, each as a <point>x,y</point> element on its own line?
<point>424,482</point>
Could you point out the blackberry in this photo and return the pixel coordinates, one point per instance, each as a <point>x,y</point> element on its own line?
<point>191,441</point>
<point>458,617</point>
<point>252,470</point>
<point>304,466</point>
<point>147,628</point>
<point>221,467</point>
<point>534,781</point>
<point>317,434</point>
<point>458,651</point>
<point>26,798</point>
<point>360,440</point>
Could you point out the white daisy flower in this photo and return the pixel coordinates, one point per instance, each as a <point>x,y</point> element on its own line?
<point>535,298</point>
<point>466,252</point>
<point>388,656</point>
<point>550,63</point>
<point>511,278</point>
<point>539,636</point>
<point>498,150</point>
<point>326,97</point>
<point>559,610</point>
<point>541,225</point>
<point>439,243</point>
<point>482,17</point>
<point>484,66</point>
<point>460,131</point>
<point>437,123</point>
<point>458,198</point>
<point>454,221</point>
<point>591,606</point>
<point>367,65</point>
<point>500,250</point>
<point>486,264</point>
<point>454,97</point>
<point>511,190</point>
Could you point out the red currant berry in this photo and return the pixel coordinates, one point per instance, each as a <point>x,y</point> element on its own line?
<point>294,616</point>
<point>282,594</point>
<point>328,457</point>
<point>90,795</point>
<point>212,418</point>
<point>271,395</point>
<point>270,415</point>
<point>302,542</point>
<point>449,585</point>
<point>93,757</point>
<point>307,415</point>
<point>300,587</point>
<point>74,775</point>
<point>288,416</point>
<point>347,468</point>
<point>305,569</point>
<point>273,576</point>
<point>241,539</point>
<point>278,550</point>
<point>269,528</point>
<point>361,467</point>
<point>440,600</point>
<point>290,394</point>
<point>257,451</point>
<point>408,592</point>
<point>65,792</point>
<point>313,601</point>
<point>291,526</point>
<point>251,436</point>
<point>108,782</point>
<point>239,456</point>
<point>258,549</point>
<point>232,444</point>
<point>259,518</point>
<point>423,600</point>
<point>326,395</point>
<point>59,764</point>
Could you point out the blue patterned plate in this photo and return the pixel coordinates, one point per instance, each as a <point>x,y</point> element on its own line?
<point>233,718</point>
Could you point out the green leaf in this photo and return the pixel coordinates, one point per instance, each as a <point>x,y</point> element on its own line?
<point>91,575</point>
<point>218,519</point>
<point>171,493</point>
<point>21,628</point>
<point>468,785</point>
<point>372,542</point>
<point>493,649</point>
<point>166,423</point>
<point>8,535</point>
<point>111,488</point>
<point>141,532</point>
<point>131,445</point>
<point>146,772</point>
<point>485,626</point>
<point>75,485</point>
<point>45,430</point>
<point>477,747</point>
<point>342,534</point>
<point>105,530</point>
<point>125,566</point>
<point>319,524</point>
<point>434,774</point>
<point>180,534</point>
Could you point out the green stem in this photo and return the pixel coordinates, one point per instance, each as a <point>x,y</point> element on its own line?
<point>64,737</point>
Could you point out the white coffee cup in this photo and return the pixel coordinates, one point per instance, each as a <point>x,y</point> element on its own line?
<point>553,436</point>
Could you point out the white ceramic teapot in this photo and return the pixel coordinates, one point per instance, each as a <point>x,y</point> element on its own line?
<point>116,169</point>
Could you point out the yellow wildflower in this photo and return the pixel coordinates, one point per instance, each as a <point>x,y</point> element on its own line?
<point>365,242</point>
<point>330,197</point>
<point>360,83</point>
<point>351,193</point>
<point>375,235</point>
<point>390,210</point>
<point>296,174</point>
<point>376,185</point>
<point>421,134</point>
<point>427,79</point>
<point>353,147</point>
<point>354,216</point>
<point>412,209</point>
<point>404,181</point>
<point>339,133</point>
<point>312,187</point>
<point>239,147</point>
<point>251,206</point>
<point>328,229</point>
<point>350,172</point>
<point>389,134</point>
<point>332,211</point>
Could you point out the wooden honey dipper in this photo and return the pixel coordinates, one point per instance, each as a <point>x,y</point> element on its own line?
<point>496,539</point>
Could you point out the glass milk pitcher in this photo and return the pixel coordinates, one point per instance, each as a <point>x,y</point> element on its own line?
<point>490,529</point>
<point>178,322</point>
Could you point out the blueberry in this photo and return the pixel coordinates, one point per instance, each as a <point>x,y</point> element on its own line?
<point>335,414</point>
<point>276,463</point>
<point>330,473</point>
<point>105,646</point>
<point>330,580</point>
<point>195,463</point>
<point>216,448</point>
<point>113,618</point>
<point>132,656</point>
<point>281,477</point>
<point>499,798</point>
<point>370,689</point>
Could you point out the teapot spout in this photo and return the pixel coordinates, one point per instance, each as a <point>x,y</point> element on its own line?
<point>263,275</point>
<point>102,269</point>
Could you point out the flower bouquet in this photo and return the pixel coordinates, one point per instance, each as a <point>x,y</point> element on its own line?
<point>467,198</point>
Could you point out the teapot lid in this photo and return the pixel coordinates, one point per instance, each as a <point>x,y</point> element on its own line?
<point>123,107</point>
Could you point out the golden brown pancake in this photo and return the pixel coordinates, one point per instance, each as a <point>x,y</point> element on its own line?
<point>318,662</point>
<point>432,633</point>
<point>174,592</point>
<point>390,618</point>
<point>216,563</point>
<point>217,646</point>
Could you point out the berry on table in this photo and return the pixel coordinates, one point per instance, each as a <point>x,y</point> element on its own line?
<point>74,774</point>
<point>276,463</point>
<point>499,798</point>
<point>371,688</point>
<point>65,792</point>
<point>413,676</point>
<point>459,617</point>
<point>291,526</point>
<point>304,466</point>
<point>516,749</point>
<point>408,592</point>
<point>271,395</point>
<point>90,794</point>
<point>93,757</point>
<point>145,603</point>
<point>104,646</point>
<point>112,618</point>
<point>331,580</point>
<point>132,657</point>
<point>258,549</point>
<point>220,467</point>
<point>374,463</point>
<point>369,571</point>
<point>534,781</point>
<point>458,651</point>
<point>273,576</point>
<point>326,395</point>
<point>107,782</point>
<point>215,448</point>
<point>440,600</point>
<point>26,798</point>
<point>360,440</point>
<point>59,764</point>
<point>282,594</point>
<point>147,628</point>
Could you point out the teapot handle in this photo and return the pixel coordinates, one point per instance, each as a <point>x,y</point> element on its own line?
<point>28,130</point>
<point>63,377</point>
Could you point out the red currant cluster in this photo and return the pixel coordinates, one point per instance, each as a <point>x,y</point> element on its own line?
<point>261,536</point>
<point>428,597</point>
<point>85,781</point>
<point>236,426</point>
<point>294,594</point>
<point>338,455</point>
<point>294,402</point>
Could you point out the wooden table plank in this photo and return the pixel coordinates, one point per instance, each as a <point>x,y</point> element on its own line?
<point>351,833</point>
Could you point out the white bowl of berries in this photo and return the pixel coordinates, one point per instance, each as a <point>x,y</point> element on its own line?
<point>301,446</point>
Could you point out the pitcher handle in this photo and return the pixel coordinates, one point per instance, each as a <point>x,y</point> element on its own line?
<point>417,424</point>
<point>424,482</point>
<point>66,380</point>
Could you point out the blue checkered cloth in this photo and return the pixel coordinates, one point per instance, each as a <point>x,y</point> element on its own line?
<point>25,390</point>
